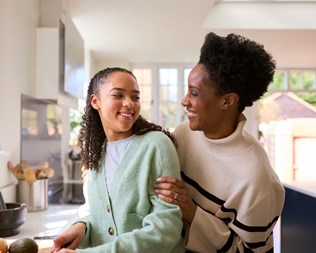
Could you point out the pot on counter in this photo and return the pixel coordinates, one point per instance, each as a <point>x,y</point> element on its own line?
<point>11,218</point>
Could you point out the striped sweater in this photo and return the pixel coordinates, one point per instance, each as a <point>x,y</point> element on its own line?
<point>238,194</point>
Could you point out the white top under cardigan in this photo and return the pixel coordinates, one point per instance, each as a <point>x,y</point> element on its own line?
<point>115,151</point>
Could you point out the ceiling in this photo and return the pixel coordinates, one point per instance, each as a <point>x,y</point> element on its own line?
<point>172,31</point>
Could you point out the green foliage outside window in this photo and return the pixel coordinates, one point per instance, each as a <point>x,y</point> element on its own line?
<point>298,82</point>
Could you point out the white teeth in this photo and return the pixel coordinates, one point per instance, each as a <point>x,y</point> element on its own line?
<point>128,115</point>
<point>192,114</point>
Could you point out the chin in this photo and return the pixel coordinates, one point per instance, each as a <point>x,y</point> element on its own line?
<point>193,126</point>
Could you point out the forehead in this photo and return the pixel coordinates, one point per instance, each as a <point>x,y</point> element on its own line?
<point>119,76</point>
<point>121,79</point>
<point>198,76</point>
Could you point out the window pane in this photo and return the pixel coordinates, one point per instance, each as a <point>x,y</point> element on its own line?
<point>29,122</point>
<point>295,81</point>
<point>278,81</point>
<point>168,90</point>
<point>144,79</point>
<point>186,76</point>
<point>168,76</point>
<point>308,80</point>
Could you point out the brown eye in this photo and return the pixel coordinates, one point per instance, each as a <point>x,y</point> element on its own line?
<point>194,93</point>
<point>117,95</point>
<point>136,98</point>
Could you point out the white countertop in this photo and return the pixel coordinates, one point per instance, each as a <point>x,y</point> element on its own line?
<point>50,222</point>
<point>308,188</point>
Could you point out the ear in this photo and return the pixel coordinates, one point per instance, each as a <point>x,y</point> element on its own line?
<point>229,100</point>
<point>94,101</point>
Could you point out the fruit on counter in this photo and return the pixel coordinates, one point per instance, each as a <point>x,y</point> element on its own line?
<point>3,246</point>
<point>23,245</point>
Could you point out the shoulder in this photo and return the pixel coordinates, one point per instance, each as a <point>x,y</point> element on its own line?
<point>183,127</point>
<point>154,138</point>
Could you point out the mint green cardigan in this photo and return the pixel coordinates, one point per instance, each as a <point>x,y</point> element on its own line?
<point>129,217</point>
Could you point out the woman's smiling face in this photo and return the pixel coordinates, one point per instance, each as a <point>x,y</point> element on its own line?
<point>118,104</point>
<point>204,108</point>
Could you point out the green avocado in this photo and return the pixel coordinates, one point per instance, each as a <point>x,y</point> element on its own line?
<point>24,245</point>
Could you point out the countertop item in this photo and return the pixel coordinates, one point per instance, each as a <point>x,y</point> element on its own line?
<point>12,218</point>
<point>48,223</point>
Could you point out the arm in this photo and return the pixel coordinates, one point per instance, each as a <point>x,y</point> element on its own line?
<point>204,229</point>
<point>172,190</point>
<point>70,239</point>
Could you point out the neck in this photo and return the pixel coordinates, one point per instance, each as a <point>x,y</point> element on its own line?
<point>226,128</point>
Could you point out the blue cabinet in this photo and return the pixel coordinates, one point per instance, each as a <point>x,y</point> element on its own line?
<point>298,222</point>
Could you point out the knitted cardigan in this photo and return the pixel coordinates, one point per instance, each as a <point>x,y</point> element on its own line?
<point>129,217</point>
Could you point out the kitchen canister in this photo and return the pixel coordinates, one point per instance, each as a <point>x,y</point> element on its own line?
<point>34,195</point>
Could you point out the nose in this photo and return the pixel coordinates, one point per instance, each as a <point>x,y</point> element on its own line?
<point>128,103</point>
<point>184,101</point>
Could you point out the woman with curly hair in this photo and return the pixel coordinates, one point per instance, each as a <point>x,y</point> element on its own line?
<point>124,154</point>
<point>230,196</point>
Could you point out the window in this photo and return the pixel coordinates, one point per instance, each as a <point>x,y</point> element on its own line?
<point>168,90</point>
<point>162,89</point>
<point>144,78</point>
<point>287,123</point>
<point>294,80</point>
<point>29,122</point>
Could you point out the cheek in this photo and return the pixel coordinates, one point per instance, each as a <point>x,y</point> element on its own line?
<point>107,109</point>
<point>137,107</point>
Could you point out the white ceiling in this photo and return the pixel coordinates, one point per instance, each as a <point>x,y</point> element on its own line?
<point>172,31</point>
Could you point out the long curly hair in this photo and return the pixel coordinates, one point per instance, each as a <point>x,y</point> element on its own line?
<point>92,136</point>
<point>237,64</point>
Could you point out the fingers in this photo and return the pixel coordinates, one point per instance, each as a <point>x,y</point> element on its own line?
<point>170,197</point>
<point>59,244</point>
<point>175,196</point>
<point>168,182</point>
<point>169,189</point>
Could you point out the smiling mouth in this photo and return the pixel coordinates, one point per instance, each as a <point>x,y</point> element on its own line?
<point>191,114</point>
<point>126,115</point>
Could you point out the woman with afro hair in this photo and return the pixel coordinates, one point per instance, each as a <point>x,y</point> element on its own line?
<point>230,196</point>
<point>123,154</point>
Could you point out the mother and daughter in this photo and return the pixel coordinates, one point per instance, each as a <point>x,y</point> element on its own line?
<point>228,198</point>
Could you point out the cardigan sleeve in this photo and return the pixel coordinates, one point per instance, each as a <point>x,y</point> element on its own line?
<point>160,233</point>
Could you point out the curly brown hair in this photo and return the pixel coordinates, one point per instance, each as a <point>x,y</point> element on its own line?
<point>92,136</point>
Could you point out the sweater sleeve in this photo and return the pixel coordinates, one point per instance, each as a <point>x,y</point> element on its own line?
<point>246,233</point>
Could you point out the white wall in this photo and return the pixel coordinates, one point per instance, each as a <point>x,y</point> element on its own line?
<point>18,20</point>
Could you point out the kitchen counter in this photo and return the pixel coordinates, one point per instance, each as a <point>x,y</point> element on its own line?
<point>308,188</point>
<point>48,223</point>
<point>298,221</point>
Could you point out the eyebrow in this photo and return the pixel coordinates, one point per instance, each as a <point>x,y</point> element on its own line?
<point>192,86</point>
<point>120,89</point>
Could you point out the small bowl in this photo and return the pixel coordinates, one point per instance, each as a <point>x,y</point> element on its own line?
<point>12,218</point>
